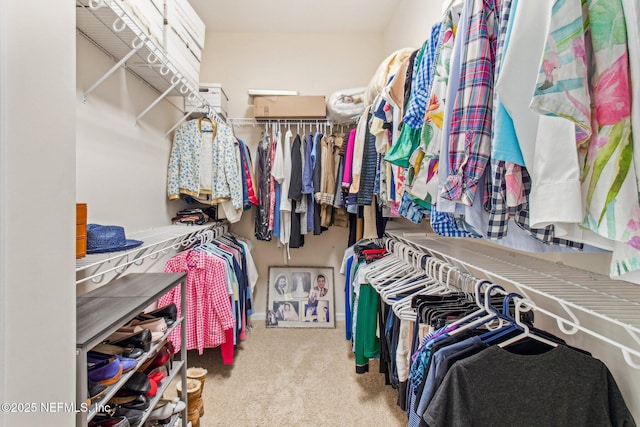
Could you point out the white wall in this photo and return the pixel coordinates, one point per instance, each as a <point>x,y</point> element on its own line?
<point>312,64</point>
<point>411,24</point>
<point>121,165</point>
<point>37,192</point>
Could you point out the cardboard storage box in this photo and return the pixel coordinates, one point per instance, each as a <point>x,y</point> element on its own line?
<point>270,107</point>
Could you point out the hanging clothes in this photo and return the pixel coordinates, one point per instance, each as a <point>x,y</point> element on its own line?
<point>221,277</point>
<point>296,196</point>
<point>449,370</point>
<point>187,175</point>
<point>208,311</point>
<point>263,175</point>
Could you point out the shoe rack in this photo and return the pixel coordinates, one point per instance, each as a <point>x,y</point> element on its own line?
<point>101,312</point>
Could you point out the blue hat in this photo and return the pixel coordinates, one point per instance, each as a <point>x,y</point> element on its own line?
<point>108,238</point>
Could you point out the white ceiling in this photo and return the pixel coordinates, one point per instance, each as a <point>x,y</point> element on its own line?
<point>294,16</point>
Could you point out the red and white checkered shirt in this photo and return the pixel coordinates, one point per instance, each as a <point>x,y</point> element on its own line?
<point>209,311</point>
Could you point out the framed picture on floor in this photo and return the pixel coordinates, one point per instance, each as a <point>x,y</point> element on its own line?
<point>301,297</point>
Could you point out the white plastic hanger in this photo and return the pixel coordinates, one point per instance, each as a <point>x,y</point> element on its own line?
<point>484,314</point>
<point>522,305</point>
<point>408,282</point>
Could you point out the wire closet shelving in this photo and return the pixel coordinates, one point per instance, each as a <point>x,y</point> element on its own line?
<point>157,241</point>
<point>578,300</point>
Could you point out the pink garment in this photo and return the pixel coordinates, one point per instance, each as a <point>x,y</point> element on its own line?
<point>209,313</point>
<point>251,192</point>
<point>348,162</point>
<point>227,349</point>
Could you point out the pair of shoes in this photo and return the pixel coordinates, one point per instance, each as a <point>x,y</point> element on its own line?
<point>109,422</point>
<point>155,377</point>
<point>168,312</point>
<point>105,371</point>
<point>161,358</point>
<point>139,401</point>
<point>140,339</point>
<point>127,363</point>
<point>129,351</point>
<point>138,383</point>
<point>157,325</point>
<point>157,328</point>
<point>165,409</point>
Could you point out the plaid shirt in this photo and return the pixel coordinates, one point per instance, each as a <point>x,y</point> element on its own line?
<point>500,213</point>
<point>470,128</point>
<point>449,225</point>
<point>422,80</point>
<point>208,311</point>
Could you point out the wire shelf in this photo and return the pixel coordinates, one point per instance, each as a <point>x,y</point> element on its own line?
<point>157,241</point>
<point>570,292</point>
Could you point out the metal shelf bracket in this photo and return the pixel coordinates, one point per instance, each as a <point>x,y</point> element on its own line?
<point>137,44</point>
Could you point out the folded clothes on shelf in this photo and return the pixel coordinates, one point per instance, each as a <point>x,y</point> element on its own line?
<point>193,216</point>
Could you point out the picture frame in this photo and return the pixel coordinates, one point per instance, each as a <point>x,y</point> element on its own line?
<point>301,297</point>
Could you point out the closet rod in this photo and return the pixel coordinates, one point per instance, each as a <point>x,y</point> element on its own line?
<point>203,105</point>
<point>568,288</point>
<point>245,122</point>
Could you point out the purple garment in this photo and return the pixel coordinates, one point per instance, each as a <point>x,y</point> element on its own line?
<point>346,177</point>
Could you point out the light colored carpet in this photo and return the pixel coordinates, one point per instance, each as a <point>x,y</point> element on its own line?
<point>294,377</point>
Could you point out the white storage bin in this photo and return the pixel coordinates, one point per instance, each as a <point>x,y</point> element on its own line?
<point>183,17</point>
<point>183,58</point>
<point>215,95</point>
<point>148,15</point>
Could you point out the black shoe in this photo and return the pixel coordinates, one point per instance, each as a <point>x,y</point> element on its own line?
<point>169,312</point>
<point>130,351</point>
<point>140,339</point>
<point>95,390</point>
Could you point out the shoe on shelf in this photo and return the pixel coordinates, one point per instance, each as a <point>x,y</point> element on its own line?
<point>155,377</point>
<point>155,324</point>
<point>140,339</point>
<point>134,416</point>
<point>109,422</point>
<point>104,371</point>
<point>168,312</point>
<point>138,383</point>
<point>165,409</point>
<point>129,351</point>
<point>95,391</point>
<point>134,401</point>
<point>131,329</point>
<point>161,358</point>
<point>127,363</point>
